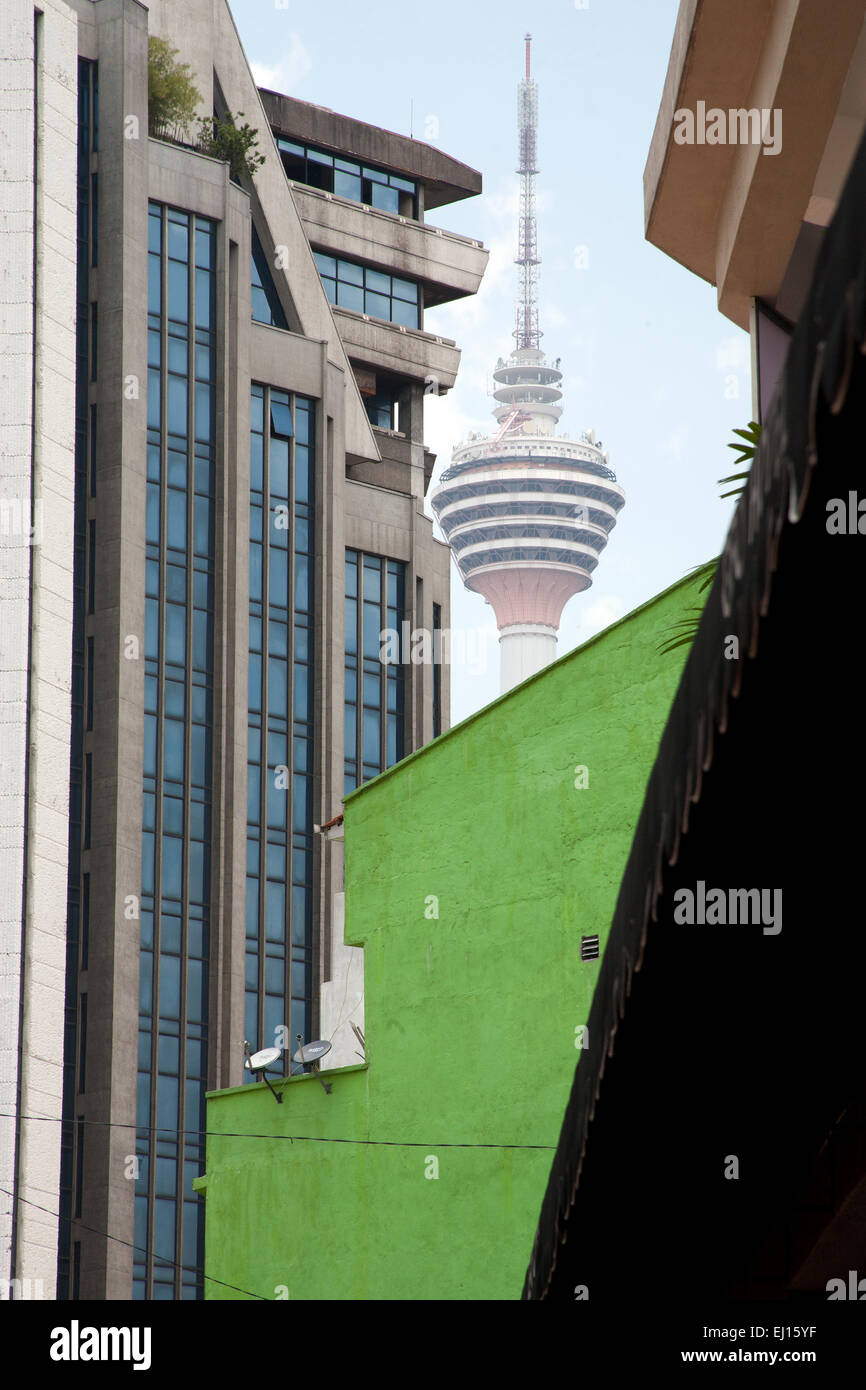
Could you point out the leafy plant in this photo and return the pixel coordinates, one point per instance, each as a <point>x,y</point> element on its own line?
<point>173,99</point>
<point>745,452</point>
<point>236,144</point>
<point>682,632</point>
<point>172,96</point>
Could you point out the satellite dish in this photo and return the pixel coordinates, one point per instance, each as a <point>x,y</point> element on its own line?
<point>311,1051</point>
<point>262,1061</point>
<point>259,1062</point>
<point>308,1055</point>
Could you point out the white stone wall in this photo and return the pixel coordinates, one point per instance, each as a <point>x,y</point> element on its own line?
<point>37,415</point>
<point>341,998</point>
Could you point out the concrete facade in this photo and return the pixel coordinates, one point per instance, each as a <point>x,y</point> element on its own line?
<point>370,485</point>
<point>37,381</point>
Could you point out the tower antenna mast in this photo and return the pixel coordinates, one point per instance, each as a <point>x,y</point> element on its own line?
<point>527,333</point>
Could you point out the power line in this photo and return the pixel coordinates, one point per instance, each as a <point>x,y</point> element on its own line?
<point>301,1138</point>
<point>186,1269</point>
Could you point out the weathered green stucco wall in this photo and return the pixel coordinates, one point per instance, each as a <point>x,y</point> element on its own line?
<point>470,1016</point>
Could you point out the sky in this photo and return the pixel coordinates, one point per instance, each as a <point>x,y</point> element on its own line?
<point>649,362</point>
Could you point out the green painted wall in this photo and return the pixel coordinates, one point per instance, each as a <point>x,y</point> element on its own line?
<point>469,1018</point>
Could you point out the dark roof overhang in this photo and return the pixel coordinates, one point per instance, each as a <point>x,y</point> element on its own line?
<point>445,179</point>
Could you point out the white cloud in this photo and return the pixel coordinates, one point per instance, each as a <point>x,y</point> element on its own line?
<point>288,72</point>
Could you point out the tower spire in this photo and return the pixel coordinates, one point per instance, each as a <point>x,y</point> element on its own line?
<point>527,333</point>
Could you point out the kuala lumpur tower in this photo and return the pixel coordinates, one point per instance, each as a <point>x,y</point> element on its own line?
<point>526,511</point>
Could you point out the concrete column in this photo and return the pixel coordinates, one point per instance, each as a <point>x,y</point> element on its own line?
<point>114,858</point>
<point>524,648</point>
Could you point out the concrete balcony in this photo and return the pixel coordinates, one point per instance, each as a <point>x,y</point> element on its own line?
<point>448,266</point>
<point>403,351</point>
<point>395,469</point>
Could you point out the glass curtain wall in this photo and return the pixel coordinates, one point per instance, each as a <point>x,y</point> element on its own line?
<point>176,804</point>
<point>375,689</point>
<point>280,715</point>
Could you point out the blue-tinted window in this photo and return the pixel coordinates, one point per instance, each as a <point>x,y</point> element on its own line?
<point>178,291</point>
<point>176,405</point>
<point>281,419</point>
<point>154,284</point>
<point>171,867</point>
<point>196,992</point>
<point>279,576</point>
<point>350,285</point>
<point>175,520</point>
<point>348,178</point>
<point>266,302</point>
<point>175,633</point>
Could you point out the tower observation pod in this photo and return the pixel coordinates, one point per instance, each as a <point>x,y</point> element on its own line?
<point>527,512</point>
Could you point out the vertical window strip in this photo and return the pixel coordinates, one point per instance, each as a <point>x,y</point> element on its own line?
<point>85,921</point>
<point>375,686</point>
<point>301,896</point>
<point>90,670</point>
<point>437,670</point>
<point>87,111</point>
<point>82,1045</point>
<point>280,763</point>
<point>79,1165</point>
<point>176,794</point>
<point>88,798</point>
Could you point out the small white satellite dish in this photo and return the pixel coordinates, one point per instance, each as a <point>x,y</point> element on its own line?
<point>308,1055</point>
<point>259,1062</point>
<point>264,1060</point>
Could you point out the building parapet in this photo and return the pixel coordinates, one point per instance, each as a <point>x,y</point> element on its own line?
<point>408,352</point>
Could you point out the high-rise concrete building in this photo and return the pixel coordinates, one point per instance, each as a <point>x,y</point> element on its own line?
<point>527,512</point>
<point>37,414</point>
<point>215,386</point>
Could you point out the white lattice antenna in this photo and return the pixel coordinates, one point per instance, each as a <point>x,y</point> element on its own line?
<point>527,333</point>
